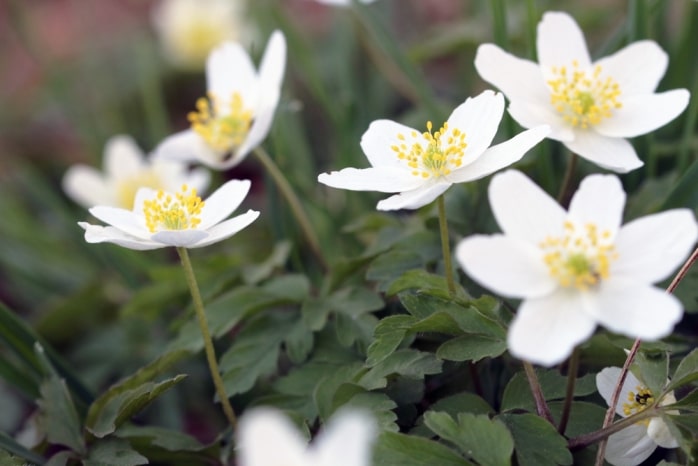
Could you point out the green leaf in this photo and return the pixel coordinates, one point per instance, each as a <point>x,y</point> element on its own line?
<point>536,441</point>
<point>387,337</point>
<point>58,416</point>
<point>61,458</point>
<point>517,394</point>
<point>6,459</point>
<point>134,381</point>
<point>406,362</point>
<point>326,389</point>
<point>484,440</point>
<point>379,404</point>
<point>10,445</point>
<point>354,301</point>
<point>126,404</point>
<point>686,372</point>
<point>165,446</point>
<point>391,265</point>
<point>425,282</point>
<point>652,369</point>
<point>114,452</point>
<point>393,449</point>
<point>584,417</point>
<point>299,342</point>
<point>471,348</point>
<point>255,273</point>
<point>688,402</point>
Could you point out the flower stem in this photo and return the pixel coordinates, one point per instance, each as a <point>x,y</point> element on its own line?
<point>445,247</point>
<point>537,392</point>
<point>631,356</point>
<point>563,196</point>
<point>585,440</point>
<point>572,371</point>
<point>295,204</point>
<point>208,344</point>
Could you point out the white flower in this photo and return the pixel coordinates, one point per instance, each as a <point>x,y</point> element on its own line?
<point>238,112</point>
<point>590,106</point>
<point>125,170</point>
<point>160,219</point>
<point>342,2</point>
<point>634,444</point>
<point>189,29</point>
<point>421,166</point>
<point>577,268</point>
<point>267,438</point>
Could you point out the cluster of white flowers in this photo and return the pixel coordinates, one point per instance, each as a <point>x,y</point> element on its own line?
<point>573,268</point>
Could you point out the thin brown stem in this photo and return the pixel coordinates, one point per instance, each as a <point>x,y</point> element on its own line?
<point>572,370</point>
<point>563,196</point>
<point>537,392</point>
<point>585,440</point>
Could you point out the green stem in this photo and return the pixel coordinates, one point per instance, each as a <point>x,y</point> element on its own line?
<point>572,371</point>
<point>208,343</point>
<point>445,247</point>
<point>537,392</point>
<point>585,440</point>
<point>293,201</point>
<point>564,194</point>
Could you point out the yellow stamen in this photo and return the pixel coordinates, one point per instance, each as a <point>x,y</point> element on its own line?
<point>431,153</point>
<point>126,188</point>
<point>638,401</point>
<point>223,124</point>
<point>166,212</point>
<point>582,98</point>
<point>579,259</point>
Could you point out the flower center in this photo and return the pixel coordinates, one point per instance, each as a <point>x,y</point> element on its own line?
<point>180,211</point>
<point>581,257</point>
<point>432,154</point>
<point>126,189</point>
<point>638,401</point>
<point>222,123</point>
<point>583,99</point>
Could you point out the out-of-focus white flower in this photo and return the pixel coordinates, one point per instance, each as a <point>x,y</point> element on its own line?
<point>239,110</point>
<point>590,106</point>
<point>342,2</point>
<point>421,166</point>
<point>267,438</point>
<point>189,29</point>
<point>634,444</point>
<point>125,171</point>
<point>160,219</point>
<point>579,267</point>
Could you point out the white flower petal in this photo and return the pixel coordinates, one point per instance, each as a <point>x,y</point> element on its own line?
<point>382,179</point>
<point>637,311</point>
<point>187,146</point>
<point>560,41</point>
<point>637,68</point>
<point>179,238</point>
<point>606,381</point>
<point>532,114</point>
<point>641,114</point>
<point>122,219</point>
<point>87,186</point>
<point>505,265</point>
<point>226,229</point>
<point>518,79</point>
<point>610,153</point>
<point>229,70</point>
<point>599,200</point>
<point>414,199</point>
<point>378,139</point>
<point>266,437</point>
<point>659,432</point>
<point>100,234</point>
<point>478,117</point>
<point>346,440</point>
<point>122,157</point>
<point>223,202</point>
<point>199,179</point>
<point>545,330</point>
<point>629,447</point>
<point>271,68</point>
<point>499,156</point>
<point>522,209</point>
<point>652,247</point>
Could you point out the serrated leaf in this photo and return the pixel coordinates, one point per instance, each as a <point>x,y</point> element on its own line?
<point>114,452</point>
<point>387,337</point>
<point>326,388</point>
<point>686,372</point>
<point>127,404</point>
<point>378,404</point>
<point>389,266</point>
<point>406,362</point>
<point>471,348</point>
<point>484,440</point>
<point>536,441</point>
<point>298,342</point>
<point>393,449</point>
<point>170,447</point>
<point>58,416</point>
<point>517,394</point>
<point>354,301</point>
<point>420,279</point>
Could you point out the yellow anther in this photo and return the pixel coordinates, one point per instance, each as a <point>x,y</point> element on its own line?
<point>583,99</point>
<point>581,257</point>
<point>126,188</point>
<point>432,153</point>
<point>638,401</point>
<point>222,123</point>
<point>181,212</point>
